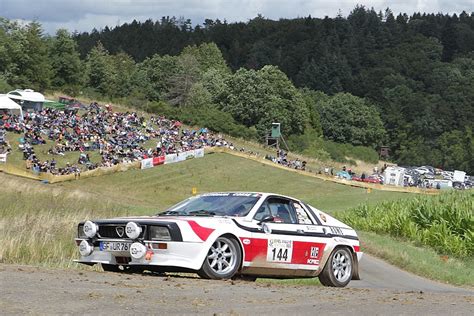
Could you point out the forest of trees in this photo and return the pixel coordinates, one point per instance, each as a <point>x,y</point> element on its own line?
<point>365,80</point>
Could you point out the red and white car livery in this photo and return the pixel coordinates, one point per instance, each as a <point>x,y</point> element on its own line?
<point>222,235</point>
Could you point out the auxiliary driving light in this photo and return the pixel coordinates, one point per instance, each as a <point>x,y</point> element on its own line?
<point>90,229</point>
<point>85,248</point>
<point>133,230</point>
<point>137,250</point>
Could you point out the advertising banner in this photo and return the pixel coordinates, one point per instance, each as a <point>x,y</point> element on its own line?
<point>158,160</point>
<point>199,153</point>
<point>190,154</point>
<point>171,158</point>
<point>181,157</point>
<point>147,163</point>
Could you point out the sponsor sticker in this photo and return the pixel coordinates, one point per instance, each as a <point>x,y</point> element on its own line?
<point>313,261</point>
<point>279,250</point>
<point>216,194</point>
<point>314,252</point>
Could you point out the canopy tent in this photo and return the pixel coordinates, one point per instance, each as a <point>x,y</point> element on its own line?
<point>29,99</point>
<point>27,95</point>
<point>8,104</point>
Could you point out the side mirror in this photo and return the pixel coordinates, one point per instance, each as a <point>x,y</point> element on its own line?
<point>268,218</point>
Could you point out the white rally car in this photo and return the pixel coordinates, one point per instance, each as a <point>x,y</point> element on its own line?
<point>222,235</point>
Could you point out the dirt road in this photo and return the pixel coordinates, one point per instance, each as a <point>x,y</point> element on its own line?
<point>377,274</point>
<point>384,290</point>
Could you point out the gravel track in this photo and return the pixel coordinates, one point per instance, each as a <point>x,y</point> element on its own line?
<point>383,290</point>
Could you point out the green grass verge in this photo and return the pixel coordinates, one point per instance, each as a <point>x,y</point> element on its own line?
<point>160,187</point>
<point>443,222</point>
<point>421,261</point>
<point>38,221</point>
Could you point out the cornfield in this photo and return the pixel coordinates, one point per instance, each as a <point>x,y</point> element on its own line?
<point>444,222</point>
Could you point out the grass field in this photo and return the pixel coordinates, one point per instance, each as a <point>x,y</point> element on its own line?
<point>38,221</point>
<point>419,260</point>
<point>160,187</point>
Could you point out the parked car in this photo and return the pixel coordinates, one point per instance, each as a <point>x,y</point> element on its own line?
<point>429,175</point>
<point>344,175</point>
<point>357,178</point>
<point>227,234</point>
<point>459,185</point>
<point>372,179</point>
<point>423,170</point>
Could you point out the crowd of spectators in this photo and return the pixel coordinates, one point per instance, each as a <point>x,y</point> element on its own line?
<point>117,137</point>
<point>4,145</point>
<point>282,159</point>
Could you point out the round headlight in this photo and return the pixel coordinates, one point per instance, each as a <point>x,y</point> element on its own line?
<point>133,230</point>
<point>85,248</point>
<point>137,250</point>
<point>90,229</point>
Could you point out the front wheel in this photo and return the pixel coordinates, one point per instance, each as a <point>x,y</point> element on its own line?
<point>338,269</point>
<point>222,260</point>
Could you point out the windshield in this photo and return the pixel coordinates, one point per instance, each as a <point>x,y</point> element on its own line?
<point>221,204</point>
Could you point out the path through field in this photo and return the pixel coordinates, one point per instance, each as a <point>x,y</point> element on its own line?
<point>377,274</point>
<point>384,290</point>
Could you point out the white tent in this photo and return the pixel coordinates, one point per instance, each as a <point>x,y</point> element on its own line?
<point>30,100</point>
<point>26,95</point>
<point>8,104</point>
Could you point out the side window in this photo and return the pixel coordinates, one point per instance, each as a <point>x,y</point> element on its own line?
<point>301,214</point>
<point>262,212</point>
<point>280,209</point>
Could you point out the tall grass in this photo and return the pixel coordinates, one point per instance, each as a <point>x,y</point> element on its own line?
<point>444,222</point>
<point>38,228</point>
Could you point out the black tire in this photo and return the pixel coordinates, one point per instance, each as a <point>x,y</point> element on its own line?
<point>121,268</point>
<point>222,260</point>
<point>243,277</point>
<point>338,269</point>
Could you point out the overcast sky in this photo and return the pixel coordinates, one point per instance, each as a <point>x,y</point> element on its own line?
<point>84,15</point>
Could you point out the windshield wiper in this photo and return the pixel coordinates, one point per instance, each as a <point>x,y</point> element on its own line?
<point>202,213</point>
<point>169,213</point>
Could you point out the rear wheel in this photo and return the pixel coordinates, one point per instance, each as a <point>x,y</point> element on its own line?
<point>223,259</point>
<point>338,269</point>
<point>245,277</point>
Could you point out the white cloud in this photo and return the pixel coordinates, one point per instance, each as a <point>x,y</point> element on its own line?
<point>83,15</point>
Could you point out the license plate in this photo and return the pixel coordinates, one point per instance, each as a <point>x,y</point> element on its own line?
<point>113,246</point>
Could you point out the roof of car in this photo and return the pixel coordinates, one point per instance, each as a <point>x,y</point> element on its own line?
<point>244,193</point>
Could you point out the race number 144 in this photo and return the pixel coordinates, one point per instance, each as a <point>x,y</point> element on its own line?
<point>279,250</point>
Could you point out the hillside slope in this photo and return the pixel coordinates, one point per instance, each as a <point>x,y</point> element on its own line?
<point>164,185</point>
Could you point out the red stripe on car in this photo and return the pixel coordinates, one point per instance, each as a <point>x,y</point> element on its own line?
<point>356,248</point>
<point>307,252</point>
<point>255,249</point>
<point>200,231</point>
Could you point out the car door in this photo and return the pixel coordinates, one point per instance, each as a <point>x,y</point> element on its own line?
<point>290,236</point>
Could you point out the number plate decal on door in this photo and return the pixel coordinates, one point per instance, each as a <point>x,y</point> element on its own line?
<point>279,250</point>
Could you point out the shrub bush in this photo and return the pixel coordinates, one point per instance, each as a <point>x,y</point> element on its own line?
<point>444,223</point>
